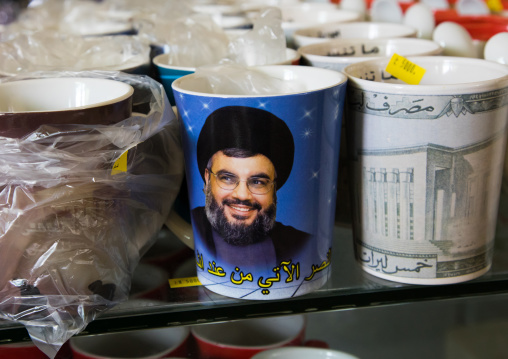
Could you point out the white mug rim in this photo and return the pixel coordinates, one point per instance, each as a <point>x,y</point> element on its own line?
<point>286,70</point>
<point>430,89</point>
<point>334,16</point>
<point>128,92</point>
<point>311,50</point>
<point>159,61</point>
<point>304,32</point>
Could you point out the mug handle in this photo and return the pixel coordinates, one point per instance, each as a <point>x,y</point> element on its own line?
<point>180,228</point>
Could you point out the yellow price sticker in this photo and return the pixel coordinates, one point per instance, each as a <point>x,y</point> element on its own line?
<point>184,282</point>
<point>405,70</point>
<point>495,5</point>
<point>120,164</point>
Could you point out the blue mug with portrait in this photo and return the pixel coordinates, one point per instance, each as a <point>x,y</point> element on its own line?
<point>261,177</point>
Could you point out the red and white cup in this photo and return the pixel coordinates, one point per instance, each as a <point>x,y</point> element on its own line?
<point>245,338</point>
<point>144,344</point>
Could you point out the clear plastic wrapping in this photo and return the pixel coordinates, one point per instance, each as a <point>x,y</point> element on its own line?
<point>72,229</point>
<point>190,41</point>
<point>264,44</point>
<point>49,51</point>
<point>228,78</point>
<point>198,40</point>
<point>86,18</point>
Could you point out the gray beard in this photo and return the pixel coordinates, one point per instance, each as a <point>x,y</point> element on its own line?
<point>239,234</point>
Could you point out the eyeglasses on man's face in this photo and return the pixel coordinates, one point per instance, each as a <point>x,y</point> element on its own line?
<point>257,185</point>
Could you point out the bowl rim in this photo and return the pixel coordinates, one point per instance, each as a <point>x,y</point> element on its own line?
<point>128,91</point>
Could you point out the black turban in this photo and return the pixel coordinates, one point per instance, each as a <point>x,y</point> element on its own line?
<point>247,128</point>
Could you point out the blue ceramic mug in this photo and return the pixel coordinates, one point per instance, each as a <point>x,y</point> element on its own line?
<point>261,176</point>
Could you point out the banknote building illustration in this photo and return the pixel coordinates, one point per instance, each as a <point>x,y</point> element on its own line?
<point>435,196</point>
<point>426,208</point>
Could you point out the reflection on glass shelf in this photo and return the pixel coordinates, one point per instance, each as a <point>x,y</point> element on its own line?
<point>348,287</point>
<point>154,303</point>
<point>472,327</point>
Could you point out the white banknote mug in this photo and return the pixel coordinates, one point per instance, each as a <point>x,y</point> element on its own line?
<point>427,164</point>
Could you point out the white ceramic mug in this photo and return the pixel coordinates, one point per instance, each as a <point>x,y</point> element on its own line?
<point>303,15</point>
<point>351,30</point>
<point>427,163</point>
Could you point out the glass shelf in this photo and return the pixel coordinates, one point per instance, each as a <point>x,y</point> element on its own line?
<point>348,287</point>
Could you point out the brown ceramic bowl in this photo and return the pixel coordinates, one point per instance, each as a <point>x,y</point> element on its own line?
<point>25,105</point>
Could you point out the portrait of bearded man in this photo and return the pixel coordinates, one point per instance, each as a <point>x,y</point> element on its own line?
<point>245,155</point>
